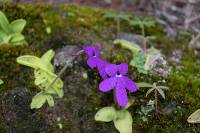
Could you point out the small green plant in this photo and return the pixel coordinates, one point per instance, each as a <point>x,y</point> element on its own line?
<point>141,60</point>
<point>122,118</point>
<point>1,82</point>
<point>59,124</point>
<point>142,23</point>
<point>44,78</point>
<point>11,33</point>
<point>118,17</point>
<point>146,110</point>
<point>156,89</point>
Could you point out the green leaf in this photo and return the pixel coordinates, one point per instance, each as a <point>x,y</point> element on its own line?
<point>149,91</point>
<point>6,39</point>
<point>144,85</point>
<point>60,92</point>
<point>138,62</point>
<point>48,30</point>
<point>4,23</point>
<point>123,122</point>
<point>48,56</point>
<point>50,100</point>
<point>18,25</point>
<point>38,100</point>
<point>105,114</point>
<point>2,34</point>
<point>161,92</point>
<point>194,117</point>
<point>17,38</point>
<point>163,87</point>
<point>152,55</point>
<point>133,47</point>
<point>1,82</point>
<point>29,60</point>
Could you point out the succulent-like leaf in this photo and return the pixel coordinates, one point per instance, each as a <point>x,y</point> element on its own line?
<point>16,38</point>
<point>50,100</point>
<point>6,39</point>
<point>1,81</point>
<point>44,77</point>
<point>123,122</point>
<point>106,114</point>
<point>133,47</point>
<point>152,55</point>
<point>18,25</point>
<point>149,91</point>
<point>29,60</point>
<point>38,100</point>
<point>4,23</point>
<point>194,117</point>
<point>144,85</point>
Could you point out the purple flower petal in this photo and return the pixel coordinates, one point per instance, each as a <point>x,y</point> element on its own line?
<point>101,68</point>
<point>130,85</point>
<point>88,50</point>
<point>96,50</point>
<point>121,95</point>
<point>107,84</point>
<point>111,69</point>
<point>92,62</point>
<point>91,51</point>
<point>123,68</point>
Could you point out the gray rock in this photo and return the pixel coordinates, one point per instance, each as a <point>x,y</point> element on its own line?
<point>169,108</point>
<point>138,39</point>
<point>65,54</point>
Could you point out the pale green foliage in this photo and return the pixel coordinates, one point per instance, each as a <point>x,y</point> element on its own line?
<point>11,33</point>
<point>146,110</point>
<point>138,61</point>
<point>132,46</point>
<point>157,88</point>
<point>117,16</point>
<point>48,30</point>
<point>1,82</point>
<point>59,124</point>
<point>44,76</point>
<point>142,23</point>
<point>143,61</point>
<point>122,118</point>
<point>194,117</point>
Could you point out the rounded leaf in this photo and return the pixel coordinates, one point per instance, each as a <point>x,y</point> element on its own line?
<point>50,100</point>
<point>4,23</point>
<point>38,100</point>
<point>105,114</point>
<point>18,25</point>
<point>123,122</point>
<point>194,117</point>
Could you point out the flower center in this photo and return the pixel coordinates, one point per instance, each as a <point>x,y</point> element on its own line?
<point>118,74</point>
<point>93,55</point>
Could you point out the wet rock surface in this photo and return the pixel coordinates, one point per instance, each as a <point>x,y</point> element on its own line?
<point>16,113</point>
<point>65,54</point>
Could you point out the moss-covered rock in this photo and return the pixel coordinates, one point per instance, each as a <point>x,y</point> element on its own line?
<point>78,25</point>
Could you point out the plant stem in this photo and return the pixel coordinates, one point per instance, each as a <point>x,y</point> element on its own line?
<point>118,26</point>
<point>65,67</point>
<point>156,101</point>
<point>144,39</point>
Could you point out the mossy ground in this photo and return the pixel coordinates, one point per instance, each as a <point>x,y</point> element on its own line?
<point>78,25</point>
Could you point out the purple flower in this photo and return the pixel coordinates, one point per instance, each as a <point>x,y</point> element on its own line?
<point>119,82</point>
<point>94,60</point>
